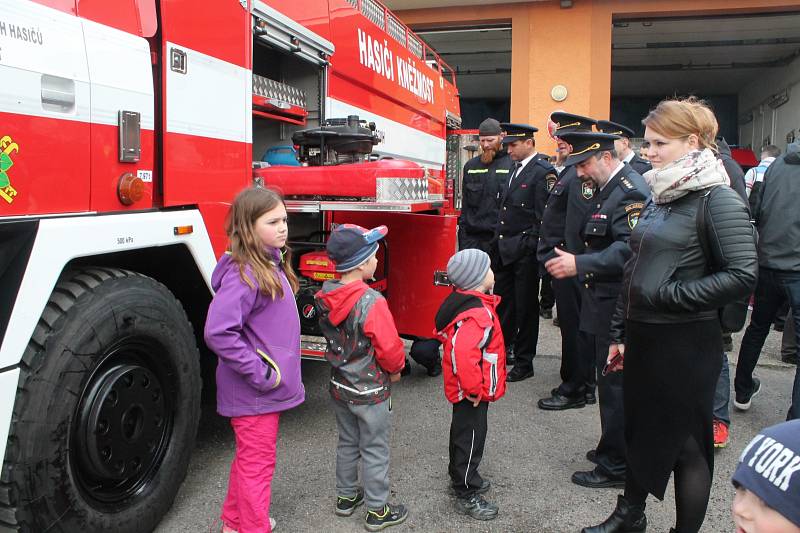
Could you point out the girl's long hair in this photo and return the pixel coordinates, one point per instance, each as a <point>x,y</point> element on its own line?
<point>247,249</point>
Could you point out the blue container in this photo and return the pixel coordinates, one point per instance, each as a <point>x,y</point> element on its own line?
<point>281,155</point>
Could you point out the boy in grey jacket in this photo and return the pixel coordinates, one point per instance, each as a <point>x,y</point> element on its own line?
<point>366,354</point>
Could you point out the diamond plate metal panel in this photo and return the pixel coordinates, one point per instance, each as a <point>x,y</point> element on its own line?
<point>279,91</point>
<point>401,189</point>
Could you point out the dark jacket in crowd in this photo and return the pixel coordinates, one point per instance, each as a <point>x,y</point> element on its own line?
<point>733,169</point>
<point>640,165</point>
<point>479,200</point>
<point>580,201</point>
<point>521,207</point>
<point>667,279</point>
<point>363,345</point>
<point>776,214</point>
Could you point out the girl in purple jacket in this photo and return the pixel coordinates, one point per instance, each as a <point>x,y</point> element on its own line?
<point>254,329</point>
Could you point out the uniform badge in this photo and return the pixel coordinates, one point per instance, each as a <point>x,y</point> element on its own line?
<point>587,189</point>
<point>633,211</point>
<point>551,180</point>
<point>8,147</point>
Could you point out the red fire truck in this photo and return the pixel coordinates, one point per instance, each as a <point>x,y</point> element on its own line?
<point>126,128</point>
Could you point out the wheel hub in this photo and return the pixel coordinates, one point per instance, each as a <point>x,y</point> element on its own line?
<point>121,425</point>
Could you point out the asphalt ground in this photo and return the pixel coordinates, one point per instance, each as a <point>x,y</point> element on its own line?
<point>530,455</point>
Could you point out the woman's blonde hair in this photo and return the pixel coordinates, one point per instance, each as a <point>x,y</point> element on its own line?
<point>680,118</point>
<point>247,249</point>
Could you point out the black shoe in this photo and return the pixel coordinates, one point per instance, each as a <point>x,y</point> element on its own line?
<point>742,402</point>
<point>547,314</point>
<point>435,370</point>
<point>483,489</point>
<point>390,515</point>
<point>590,397</point>
<point>559,402</point>
<point>518,374</point>
<point>626,518</point>
<point>406,369</point>
<point>595,479</point>
<point>778,327</point>
<point>591,456</point>
<point>476,507</point>
<point>791,359</point>
<point>555,322</point>
<point>346,506</point>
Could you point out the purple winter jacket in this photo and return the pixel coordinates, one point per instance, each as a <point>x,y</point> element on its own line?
<point>257,340</point>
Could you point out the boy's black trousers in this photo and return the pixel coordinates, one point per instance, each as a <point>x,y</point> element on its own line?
<point>467,438</point>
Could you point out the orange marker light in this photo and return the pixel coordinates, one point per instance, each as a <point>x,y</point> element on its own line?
<point>130,189</point>
<point>182,230</point>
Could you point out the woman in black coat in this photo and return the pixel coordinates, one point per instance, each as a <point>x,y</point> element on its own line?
<point>666,330</point>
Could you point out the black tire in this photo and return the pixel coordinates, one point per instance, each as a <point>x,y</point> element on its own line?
<point>107,408</point>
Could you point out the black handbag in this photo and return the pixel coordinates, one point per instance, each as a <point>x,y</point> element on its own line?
<point>732,316</point>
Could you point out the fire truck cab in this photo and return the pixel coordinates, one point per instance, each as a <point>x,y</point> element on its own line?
<point>126,128</point>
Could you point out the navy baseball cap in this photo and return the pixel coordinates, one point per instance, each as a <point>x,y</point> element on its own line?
<point>350,245</point>
<point>769,467</point>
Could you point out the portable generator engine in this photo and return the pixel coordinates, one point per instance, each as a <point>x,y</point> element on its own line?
<point>315,268</point>
<point>337,141</point>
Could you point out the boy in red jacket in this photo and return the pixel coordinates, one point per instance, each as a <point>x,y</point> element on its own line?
<point>474,370</point>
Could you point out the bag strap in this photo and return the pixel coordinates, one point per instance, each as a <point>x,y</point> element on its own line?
<point>702,229</point>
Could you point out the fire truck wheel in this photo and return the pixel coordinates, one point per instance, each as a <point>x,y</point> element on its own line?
<point>107,408</point>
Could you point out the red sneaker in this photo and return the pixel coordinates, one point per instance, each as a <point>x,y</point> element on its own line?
<point>720,434</point>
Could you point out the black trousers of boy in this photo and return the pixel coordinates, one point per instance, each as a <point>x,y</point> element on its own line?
<point>467,438</point>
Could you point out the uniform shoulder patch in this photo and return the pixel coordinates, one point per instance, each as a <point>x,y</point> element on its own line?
<point>545,164</point>
<point>551,180</point>
<point>633,210</point>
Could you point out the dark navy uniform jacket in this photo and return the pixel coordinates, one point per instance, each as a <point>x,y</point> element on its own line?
<point>479,206</point>
<point>580,200</point>
<point>521,207</point>
<point>639,165</point>
<point>606,232</point>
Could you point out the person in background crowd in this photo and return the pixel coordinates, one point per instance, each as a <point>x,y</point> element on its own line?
<point>474,373</point>
<point>778,221</point>
<point>754,176</point>
<point>788,345</point>
<point>722,394</point>
<point>620,198</point>
<point>767,485</point>
<point>366,355</point>
<point>522,200</point>
<point>253,327</point>
<point>732,168</point>
<point>643,150</point>
<point>666,331</point>
<point>623,145</point>
<point>561,227</point>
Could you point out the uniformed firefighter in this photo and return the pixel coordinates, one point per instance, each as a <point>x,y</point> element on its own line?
<point>481,179</point>
<point>620,197</point>
<point>561,225</point>
<point>623,145</point>
<point>522,198</point>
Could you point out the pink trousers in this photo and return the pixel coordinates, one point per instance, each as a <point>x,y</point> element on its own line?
<point>246,507</point>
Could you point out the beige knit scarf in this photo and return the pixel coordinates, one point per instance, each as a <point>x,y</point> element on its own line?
<point>695,171</point>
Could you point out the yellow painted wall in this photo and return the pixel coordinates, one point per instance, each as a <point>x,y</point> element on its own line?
<point>570,47</point>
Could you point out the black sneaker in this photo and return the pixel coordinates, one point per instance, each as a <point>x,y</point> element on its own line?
<point>486,485</point>
<point>476,507</point>
<point>346,506</point>
<point>390,515</point>
<point>742,402</point>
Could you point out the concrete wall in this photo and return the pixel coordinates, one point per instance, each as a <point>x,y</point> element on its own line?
<point>767,122</point>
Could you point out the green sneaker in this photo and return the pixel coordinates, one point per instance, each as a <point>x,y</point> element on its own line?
<point>390,515</point>
<point>346,506</point>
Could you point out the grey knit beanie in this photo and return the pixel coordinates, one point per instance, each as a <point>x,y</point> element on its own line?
<point>467,268</point>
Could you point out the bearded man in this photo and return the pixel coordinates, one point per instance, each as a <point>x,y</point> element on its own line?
<point>480,189</point>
